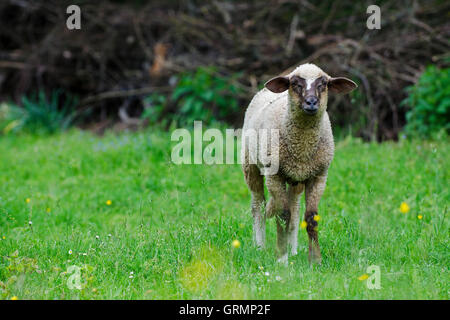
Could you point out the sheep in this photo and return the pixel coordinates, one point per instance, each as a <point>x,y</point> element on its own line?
<point>296,106</point>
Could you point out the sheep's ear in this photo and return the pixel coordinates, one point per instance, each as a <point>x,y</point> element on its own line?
<point>278,84</point>
<point>341,85</point>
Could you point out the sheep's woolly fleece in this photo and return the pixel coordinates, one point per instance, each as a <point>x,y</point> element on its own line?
<point>308,71</point>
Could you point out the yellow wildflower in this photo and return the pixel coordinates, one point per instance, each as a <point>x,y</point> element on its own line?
<point>28,200</point>
<point>365,276</point>
<point>49,210</point>
<point>108,202</point>
<point>404,208</point>
<point>419,217</point>
<point>236,243</point>
<point>316,218</point>
<point>14,298</point>
<point>303,224</point>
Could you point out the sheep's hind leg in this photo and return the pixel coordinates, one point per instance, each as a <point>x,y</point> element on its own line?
<point>313,193</point>
<point>255,182</point>
<point>279,206</point>
<point>294,203</point>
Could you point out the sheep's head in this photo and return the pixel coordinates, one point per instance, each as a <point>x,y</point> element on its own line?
<point>308,88</point>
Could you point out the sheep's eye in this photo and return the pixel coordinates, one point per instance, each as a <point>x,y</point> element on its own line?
<point>297,85</point>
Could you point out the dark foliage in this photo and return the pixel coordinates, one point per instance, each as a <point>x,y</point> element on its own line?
<point>126,51</point>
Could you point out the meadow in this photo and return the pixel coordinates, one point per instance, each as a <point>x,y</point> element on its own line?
<point>136,226</point>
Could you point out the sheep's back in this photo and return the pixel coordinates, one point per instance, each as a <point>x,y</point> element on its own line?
<point>265,110</point>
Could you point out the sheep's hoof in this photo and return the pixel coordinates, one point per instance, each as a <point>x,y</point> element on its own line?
<point>283,260</point>
<point>315,259</point>
<point>270,208</point>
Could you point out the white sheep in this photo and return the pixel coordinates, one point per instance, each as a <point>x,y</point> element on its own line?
<point>296,105</point>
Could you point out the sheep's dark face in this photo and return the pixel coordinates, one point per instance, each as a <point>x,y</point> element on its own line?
<point>310,94</point>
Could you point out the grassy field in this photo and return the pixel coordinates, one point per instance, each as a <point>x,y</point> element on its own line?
<point>139,227</point>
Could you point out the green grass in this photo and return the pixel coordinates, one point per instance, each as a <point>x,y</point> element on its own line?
<point>172,226</point>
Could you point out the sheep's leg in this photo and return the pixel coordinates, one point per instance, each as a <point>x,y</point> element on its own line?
<point>255,182</point>
<point>279,206</point>
<point>294,203</point>
<point>314,191</point>
<point>259,219</point>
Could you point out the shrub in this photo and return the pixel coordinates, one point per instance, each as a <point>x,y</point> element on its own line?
<point>429,100</point>
<point>39,114</point>
<point>153,107</point>
<point>201,95</point>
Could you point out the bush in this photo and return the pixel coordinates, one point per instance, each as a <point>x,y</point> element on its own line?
<point>429,100</point>
<point>153,107</point>
<point>201,95</point>
<point>39,114</point>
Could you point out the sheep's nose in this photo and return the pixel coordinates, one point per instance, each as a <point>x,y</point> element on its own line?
<point>310,105</point>
<point>311,101</point>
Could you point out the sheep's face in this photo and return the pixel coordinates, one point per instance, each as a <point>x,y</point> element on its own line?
<point>310,94</point>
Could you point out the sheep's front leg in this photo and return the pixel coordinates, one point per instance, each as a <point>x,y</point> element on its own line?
<point>259,219</point>
<point>279,207</point>
<point>314,191</point>
<point>294,203</point>
<point>255,183</point>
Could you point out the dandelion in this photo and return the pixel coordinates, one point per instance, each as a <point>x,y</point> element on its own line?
<point>303,225</point>
<point>48,210</point>
<point>316,217</point>
<point>70,251</point>
<point>404,208</point>
<point>236,244</point>
<point>14,298</point>
<point>108,202</point>
<point>365,276</point>
<point>28,200</point>
<point>419,217</point>
<point>3,237</point>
